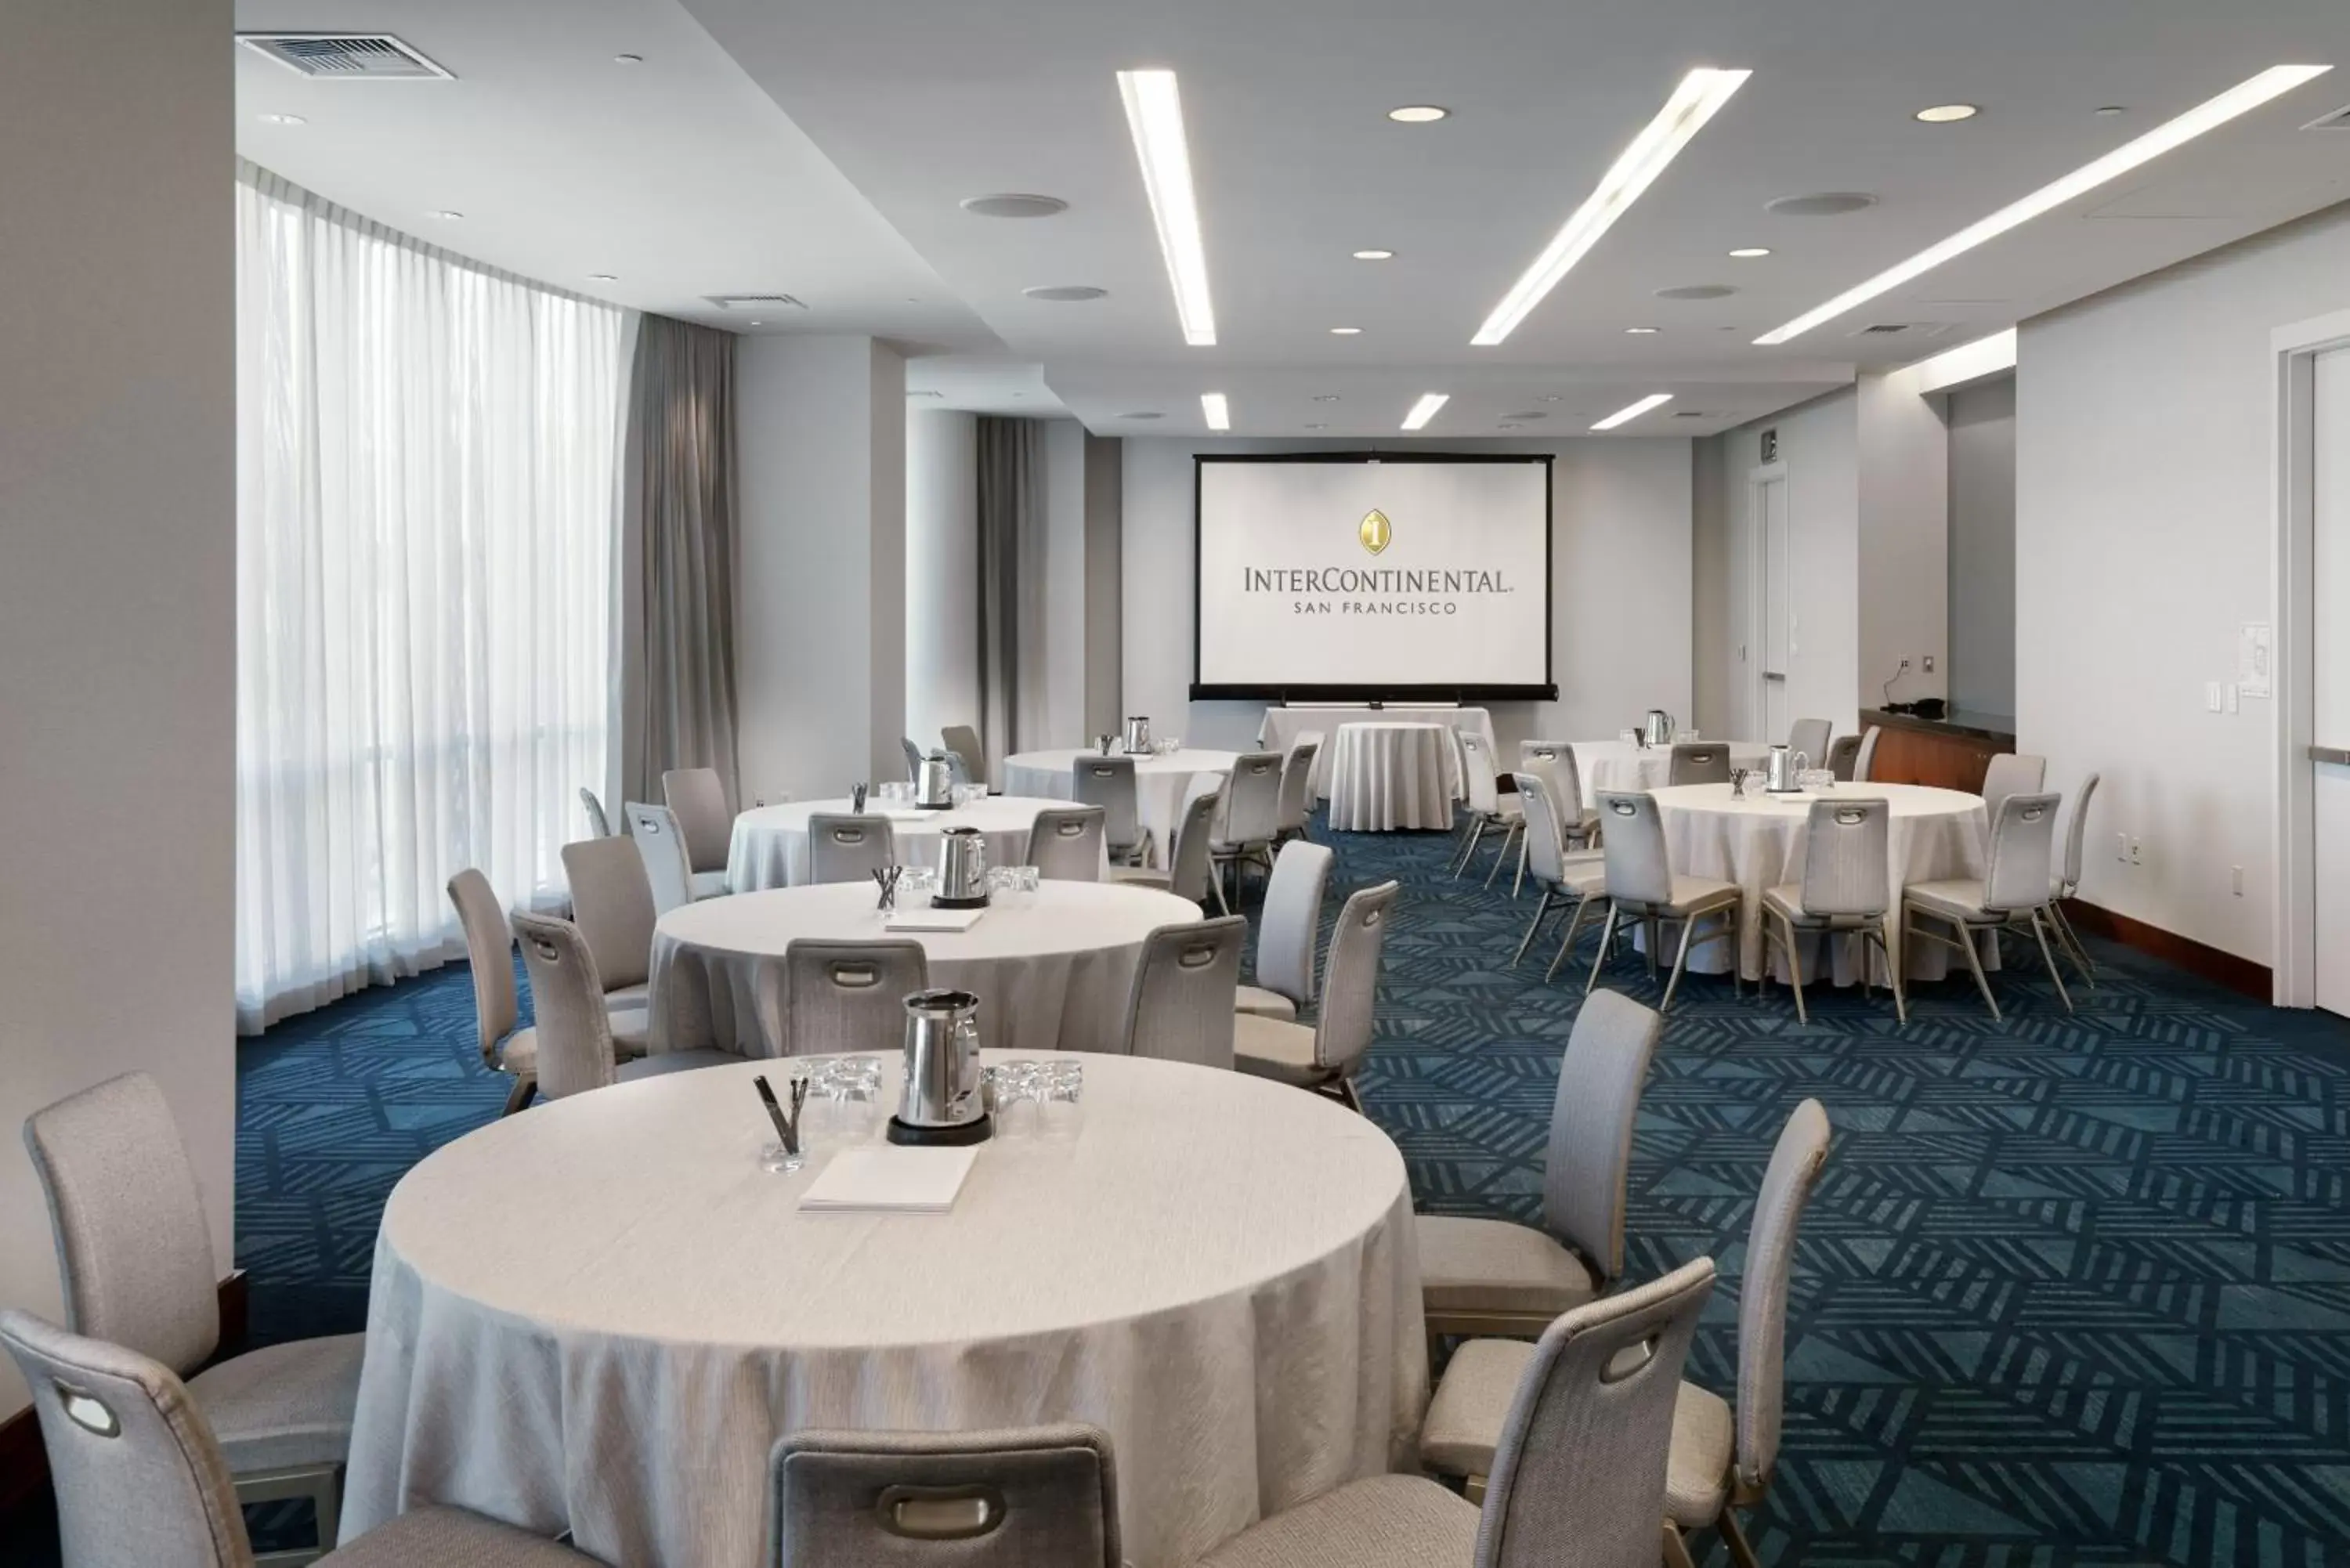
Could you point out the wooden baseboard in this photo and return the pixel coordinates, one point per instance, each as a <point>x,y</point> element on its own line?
<point>24,1463</point>
<point>2240,975</point>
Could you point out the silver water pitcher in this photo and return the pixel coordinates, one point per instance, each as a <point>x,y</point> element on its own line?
<point>1782,772</point>
<point>1138,735</point>
<point>963,870</point>
<point>934,783</point>
<point>1657,728</point>
<point>941,1102</point>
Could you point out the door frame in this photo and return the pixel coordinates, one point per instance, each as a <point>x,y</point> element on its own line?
<point>1758,596</point>
<point>2292,354</point>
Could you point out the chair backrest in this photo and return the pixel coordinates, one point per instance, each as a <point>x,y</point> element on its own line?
<point>2022,852</point>
<point>1638,872</point>
<point>1554,761</point>
<point>698,800</point>
<point>489,953</point>
<point>913,759</point>
<point>1297,783</point>
<point>1698,762</point>
<point>1350,980</point>
<point>1545,860</point>
<point>1810,736</point>
<point>1180,1007</point>
<point>1289,926</point>
<point>1843,752</point>
<point>598,824</point>
<point>612,903</point>
<point>2012,772</point>
<point>843,849</point>
<point>134,1251</point>
<point>963,741</point>
<point>1046,1497</point>
<point>839,996</point>
<point>660,844</point>
<point>1863,764</point>
<point>2076,828</point>
<point>1578,1475</point>
<point>1065,843</point>
<point>1252,811</point>
<point>567,1002</point>
<point>1587,1167</point>
<point>1192,867</point>
<point>1845,868</point>
<point>139,1476</point>
<point>1480,782</point>
<point>1108,783</point>
<point>1795,1170</point>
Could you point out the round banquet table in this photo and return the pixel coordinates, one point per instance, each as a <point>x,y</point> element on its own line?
<point>1621,765</point>
<point>769,848</point>
<point>1160,781</point>
<point>604,1313</point>
<point>1051,968</point>
<point>1388,775</point>
<point>1758,843</point>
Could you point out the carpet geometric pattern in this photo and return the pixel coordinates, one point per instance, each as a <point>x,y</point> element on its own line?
<point>2070,1290</point>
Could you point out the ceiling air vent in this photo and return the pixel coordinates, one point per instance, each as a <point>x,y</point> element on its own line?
<point>2338,120</point>
<point>1904,329</point>
<point>755,302</point>
<point>345,56</point>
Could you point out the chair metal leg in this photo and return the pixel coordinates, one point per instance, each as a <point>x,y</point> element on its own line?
<point>1975,968</point>
<point>1680,960</point>
<point>1607,946</point>
<point>1654,930</point>
<point>1567,945</point>
<point>525,1085</point>
<point>1476,836</point>
<point>1509,837</point>
<point>1533,926</point>
<point>2070,939</point>
<point>1892,975</point>
<point>2056,977</point>
<point>1741,1552</point>
<point>1675,1549</point>
<point>1517,883</point>
<point>1795,963</point>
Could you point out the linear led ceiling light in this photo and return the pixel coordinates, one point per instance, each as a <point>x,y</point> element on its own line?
<point>2208,116</point>
<point>1425,409</point>
<point>1154,113</point>
<point>1694,102</point>
<point>1624,416</point>
<point>1218,411</point>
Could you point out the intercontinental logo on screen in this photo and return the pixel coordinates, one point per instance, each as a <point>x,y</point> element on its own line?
<point>1374,590</point>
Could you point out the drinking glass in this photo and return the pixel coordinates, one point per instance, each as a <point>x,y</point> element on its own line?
<point>1063,1087</point>
<point>1016,1097</point>
<point>773,1157</point>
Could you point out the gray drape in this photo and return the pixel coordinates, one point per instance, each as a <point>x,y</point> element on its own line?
<point>678,617</point>
<point>1011,525</point>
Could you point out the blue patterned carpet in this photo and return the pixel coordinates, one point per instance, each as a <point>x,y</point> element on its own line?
<point>2073,1291</point>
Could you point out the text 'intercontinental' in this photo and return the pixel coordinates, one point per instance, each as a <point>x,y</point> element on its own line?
<point>1373,590</point>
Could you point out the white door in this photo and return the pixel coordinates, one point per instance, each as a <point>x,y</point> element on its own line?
<point>1778,639</point>
<point>2330,691</point>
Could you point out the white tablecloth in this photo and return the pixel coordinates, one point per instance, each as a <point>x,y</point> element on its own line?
<point>603,1312</point>
<point>1758,843</point>
<point>1159,782</point>
<point>770,844</point>
<point>1621,765</point>
<point>1282,727</point>
<point>1386,776</point>
<point>1051,968</point>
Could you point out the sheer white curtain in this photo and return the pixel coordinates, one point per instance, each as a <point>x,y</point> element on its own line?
<point>428,484</point>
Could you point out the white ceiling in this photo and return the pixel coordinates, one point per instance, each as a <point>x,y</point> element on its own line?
<point>840,181</point>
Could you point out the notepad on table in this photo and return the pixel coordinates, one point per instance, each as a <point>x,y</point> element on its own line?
<point>933,920</point>
<point>886,1178</point>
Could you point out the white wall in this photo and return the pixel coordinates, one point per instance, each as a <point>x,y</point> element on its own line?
<point>1620,605</point>
<point>1903,541</point>
<point>1981,445</point>
<point>2145,456</point>
<point>117,585</point>
<point>820,568</point>
<point>1066,444</point>
<point>941,571</point>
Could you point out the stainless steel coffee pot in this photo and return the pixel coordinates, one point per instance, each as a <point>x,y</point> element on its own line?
<point>1138,734</point>
<point>1658,730</point>
<point>1783,772</point>
<point>963,870</point>
<point>934,783</point>
<point>941,1102</point>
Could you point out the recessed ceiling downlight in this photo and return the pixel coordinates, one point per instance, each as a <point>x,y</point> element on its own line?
<point>1346,332</point>
<point>1822,204</point>
<point>1419,114</point>
<point>1697,291</point>
<point>1066,293</point>
<point>1013,204</point>
<point>1750,253</point>
<point>1947,113</point>
<point>1375,255</point>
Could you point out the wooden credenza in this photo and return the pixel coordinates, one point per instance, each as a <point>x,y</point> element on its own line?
<point>1950,754</point>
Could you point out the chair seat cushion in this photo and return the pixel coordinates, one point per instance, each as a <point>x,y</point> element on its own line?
<point>1584,874</point>
<point>1787,899</point>
<point>285,1405</point>
<point>707,884</point>
<point>450,1538</point>
<point>1472,1401</point>
<point>1265,1003</point>
<point>1469,1265</point>
<point>1705,1444</point>
<point>1143,876</point>
<point>1274,1048</point>
<point>518,1054</point>
<point>631,1027</point>
<point>670,1062</point>
<point>1384,1521</point>
<point>628,996</point>
<point>1955,898</point>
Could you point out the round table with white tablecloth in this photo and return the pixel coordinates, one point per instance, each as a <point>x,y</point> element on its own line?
<point>603,1313</point>
<point>1051,966</point>
<point>1281,726</point>
<point>1621,765</point>
<point>1758,843</point>
<point>1160,781</point>
<point>1387,775</point>
<point>770,844</point>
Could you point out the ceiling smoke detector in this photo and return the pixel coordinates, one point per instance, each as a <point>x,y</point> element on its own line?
<point>1698,291</point>
<point>1066,293</point>
<point>756,301</point>
<point>345,56</point>
<point>1825,204</point>
<point>1013,204</point>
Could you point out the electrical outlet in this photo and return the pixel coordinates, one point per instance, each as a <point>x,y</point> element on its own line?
<point>2234,692</point>
<point>2121,847</point>
<point>1929,664</point>
<point>2236,879</point>
<point>2212,699</point>
<point>2136,851</point>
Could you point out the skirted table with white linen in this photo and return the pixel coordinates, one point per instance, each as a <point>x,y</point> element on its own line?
<point>1051,968</point>
<point>1758,843</point>
<point>1388,775</point>
<point>1621,766</point>
<point>770,844</point>
<point>1160,782</point>
<point>1282,727</point>
<point>603,1313</point>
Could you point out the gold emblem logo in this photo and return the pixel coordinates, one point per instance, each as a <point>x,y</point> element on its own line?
<point>1375,531</point>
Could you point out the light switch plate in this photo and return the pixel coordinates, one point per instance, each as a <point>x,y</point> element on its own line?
<point>2212,699</point>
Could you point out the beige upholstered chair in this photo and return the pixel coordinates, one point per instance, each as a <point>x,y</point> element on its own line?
<point>1191,870</point>
<point>1108,783</point>
<point>1489,809</point>
<point>698,799</point>
<point>1297,786</point>
<point>135,1254</point>
<point>612,903</point>
<point>598,824</point>
<point>661,843</point>
<point>1180,1007</point>
<point>1698,762</point>
<point>2012,772</point>
<point>1578,1479</point>
<point>1553,762</point>
<point>1642,885</point>
<point>575,1031</point>
<point>2018,886</point>
<point>1863,766</point>
<point>2068,883</point>
<point>1810,736</point>
<point>1323,1055</point>
<point>1847,890</point>
<point>143,1480</point>
<point>1289,932</point>
<point>844,849</point>
<point>1046,1497</point>
<point>963,741</point>
<point>1065,843</point>
<point>1493,1276</point>
<point>1251,818</point>
<point>1564,881</point>
<point>497,1001</point>
<point>1844,752</point>
<point>829,997</point>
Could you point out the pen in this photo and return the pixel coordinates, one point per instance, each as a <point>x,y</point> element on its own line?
<point>775,1115</point>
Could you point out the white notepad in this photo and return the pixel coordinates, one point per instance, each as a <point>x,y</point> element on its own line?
<point>933,920</point>
<point>918,1181</point>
